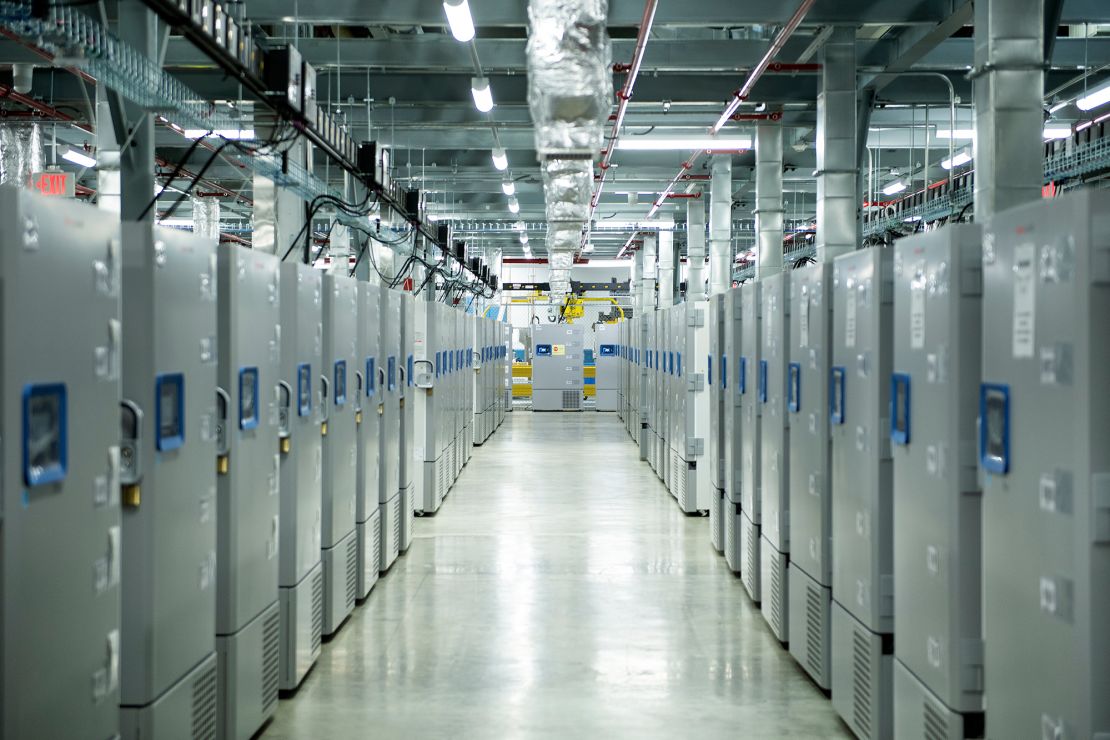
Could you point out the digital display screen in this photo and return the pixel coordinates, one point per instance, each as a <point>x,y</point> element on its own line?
<point>170,421</point>
<point>304,389</point>
<point>44,434</point>
<point>608,350</point>
<point>248,398</point>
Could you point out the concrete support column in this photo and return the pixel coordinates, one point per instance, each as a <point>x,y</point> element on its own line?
<point>666,269</point>
<point>695,250</point>
<point>138,27</point>
<point>837,166</point>
<point>768,199</point>
<point>1009,88</point>
<point>720,224</point>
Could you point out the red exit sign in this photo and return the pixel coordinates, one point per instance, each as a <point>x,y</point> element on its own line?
<point>61,184</point>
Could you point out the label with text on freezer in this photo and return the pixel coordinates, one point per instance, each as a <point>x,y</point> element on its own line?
<point>917,309</point>
<point>850,319</point>
<point>1025,258</point>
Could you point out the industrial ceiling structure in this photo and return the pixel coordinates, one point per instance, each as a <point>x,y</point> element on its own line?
<point>393,72</point>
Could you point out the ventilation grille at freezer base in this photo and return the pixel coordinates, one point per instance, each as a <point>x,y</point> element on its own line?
<point>352,572</point>
<point>271,639</point>
<point>861,683</point>
<point>815,648</point>
<point>204,705</point>
<point>317,610</point>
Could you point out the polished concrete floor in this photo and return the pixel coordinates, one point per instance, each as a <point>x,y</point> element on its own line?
<point>558,593</point>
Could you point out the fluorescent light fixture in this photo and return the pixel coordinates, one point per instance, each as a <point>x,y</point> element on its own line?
<point>960,159</point>
<point>1058,107</point>
<point>911,220</point>
<point>78,158</point>
<point>894,188</point>
<point>519,226</point>
<point>1056,132</point>
<point>231,134</point>
<point>648,223</point>
<point>432,217</point>
<point>460,20</point>
<point>1094,98</point>
<point>500,159</point>
<point>508,187</point>
<point>483,96</point>
<point>523,238</point>
<point>176,222</point>
<point>588,248</point>
<point>661,144</point>
<point>960,133</point>
<point>514,205</point>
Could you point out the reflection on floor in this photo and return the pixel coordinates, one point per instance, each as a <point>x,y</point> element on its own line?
<point>559,592</point>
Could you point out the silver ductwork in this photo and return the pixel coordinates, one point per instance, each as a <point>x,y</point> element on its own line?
<point>570,91</point>
<point>570,86</point>
<point>1009,92</point>
<point>768,199</point>
<point>206,218</point>
<point>837,167</point>
<point>695,250</point>
<point>666,269</point>
<point>20,153</point>
<point>720,224</point>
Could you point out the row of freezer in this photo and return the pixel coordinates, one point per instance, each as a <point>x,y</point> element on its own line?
<point>911,470</point>
<point>210,456</point>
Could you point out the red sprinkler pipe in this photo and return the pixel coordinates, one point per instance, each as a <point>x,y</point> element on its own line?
<point>749,84</point>
<point>625,95</point>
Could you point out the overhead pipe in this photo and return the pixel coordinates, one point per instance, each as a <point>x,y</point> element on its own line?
<point>777,44</point>
<point>625,94</point>
<point>740,95</point>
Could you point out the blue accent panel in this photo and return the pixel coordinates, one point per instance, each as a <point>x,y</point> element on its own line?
<point>371,376</point>
<point>169,411</point>
<point>44,413</point>
<point>408,371</point>
<point>304,388</point>
<point>994,428</point>
<point>710,370</point>
<point>836,394</point>
<point>742,375</point>
<point>248,398</point>
<point>724,372</point>
<point>391,373</point>
<point>763,381</point>
<point>900,408</point>
<point>794,387</point>
<point>678,369</point>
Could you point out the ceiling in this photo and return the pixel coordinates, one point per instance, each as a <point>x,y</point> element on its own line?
<point>392,69</point>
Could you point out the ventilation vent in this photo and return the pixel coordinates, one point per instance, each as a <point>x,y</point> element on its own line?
<point>715,522</point>
<point>861,683</point>
<point>376,551</point>
<point>317,610</point>
<point>572,400</point>
<point>776,595</point>
<point>204,705</point>
<point>751,564</point>
<point>397,521</point>
<point>815,649</point>
<point>271,639</point>
<point>352,571</point>
<point>936,724</point>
